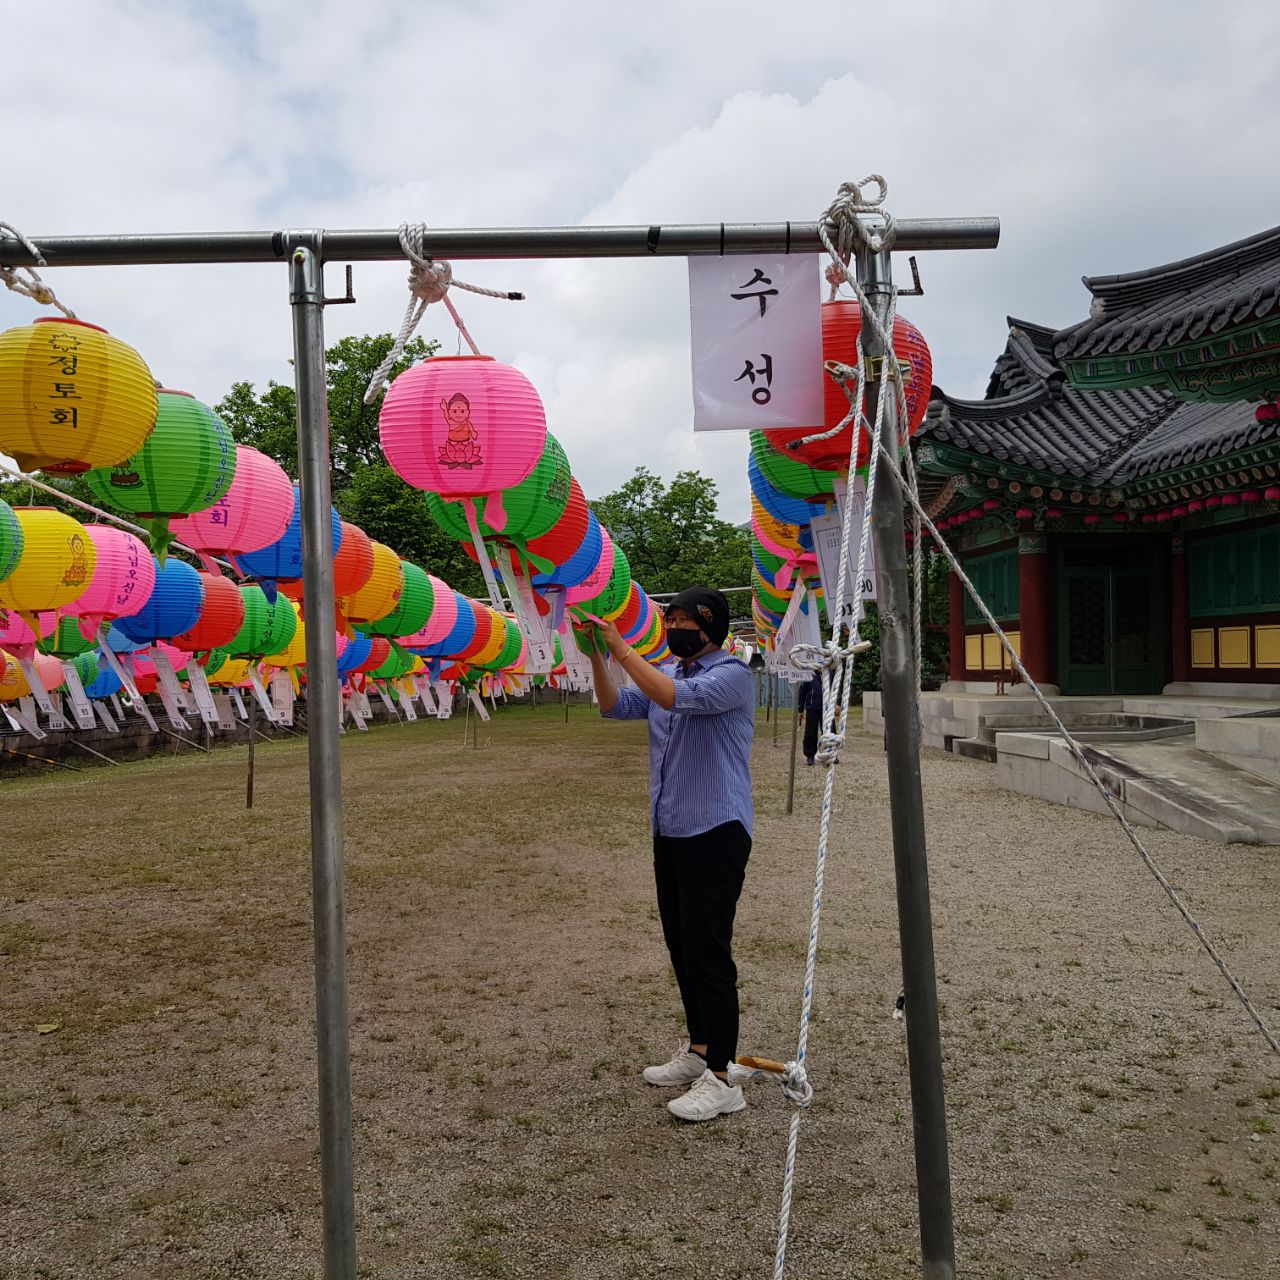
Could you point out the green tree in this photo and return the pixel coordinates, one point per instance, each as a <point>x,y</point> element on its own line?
<point>673,534</point>
<point>268,421</point>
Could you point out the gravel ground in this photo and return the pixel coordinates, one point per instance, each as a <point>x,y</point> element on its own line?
<point>1112,1110</point>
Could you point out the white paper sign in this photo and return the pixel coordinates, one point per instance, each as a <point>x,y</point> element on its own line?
<point>757,341</point>
<point>241,710</point>
<point>827,534</point>
<point>424,693</point>
<point>444,700</point>
<point>282,697</point>
<point>80,707</point>
<point>481,710</point>
<point>223,714</point>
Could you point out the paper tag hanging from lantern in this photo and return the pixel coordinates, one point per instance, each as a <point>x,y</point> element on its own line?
<point>241,710</point>
<point>444,700</point>
<point>476,701</point>
<point>206,703</point>
<point>56,720</point>
<point>260,693</point>
<point>757,341</point>
<point>81,707</point>
<point>126,679</point>
<point>23,717</point>
<point>223,713</point>
<point>108,720</point>
<point>167,688</point>
<point>282,697</point>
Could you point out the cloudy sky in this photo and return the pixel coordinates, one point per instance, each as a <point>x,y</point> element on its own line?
<point>1106,136</point>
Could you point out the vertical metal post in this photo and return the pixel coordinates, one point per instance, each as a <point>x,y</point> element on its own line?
<point>248,782</point>
<point>898,696</point>
<point>795,730</point>
<point>777,707</point>
<point>306,294</point>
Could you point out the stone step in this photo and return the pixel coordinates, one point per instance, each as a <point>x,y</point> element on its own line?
<point>974,749</point>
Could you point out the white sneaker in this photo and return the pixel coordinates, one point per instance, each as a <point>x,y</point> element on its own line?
<point>684,1068</point>
<point>709,1097</point>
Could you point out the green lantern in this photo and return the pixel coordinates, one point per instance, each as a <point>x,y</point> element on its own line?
<point>790,475</point>
<point>417,600</point>
<point>215,658</point>
<point>399,662</point>
<point>268,625</point>
<point>86,665</point>
<point>774,600</point>
<point>532,507</point>
<point>510,650</point>
<point>67,640</point>
<point>617,591</point>
<point>185,465</point>
<point>11,540</point>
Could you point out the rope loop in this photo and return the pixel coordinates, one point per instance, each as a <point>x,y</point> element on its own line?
<point>850,201</point>
<point>829,747</point>
<point>429,281</point>
<point>26,280</point>
<point>795,1085</point>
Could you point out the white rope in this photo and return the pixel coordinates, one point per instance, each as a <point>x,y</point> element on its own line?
<point>429,281</point>
<point>26,280</point>
<point>1086,764</point>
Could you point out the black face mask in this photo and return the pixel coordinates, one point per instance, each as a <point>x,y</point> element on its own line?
<point>685,643</point>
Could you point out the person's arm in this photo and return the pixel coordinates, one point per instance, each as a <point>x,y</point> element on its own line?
<point>654,684</point>
<point>614,703</point>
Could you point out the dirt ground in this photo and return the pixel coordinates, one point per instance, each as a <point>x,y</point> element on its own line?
<point>1113,1113</point>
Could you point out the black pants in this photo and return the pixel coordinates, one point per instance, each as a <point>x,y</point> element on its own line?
<point>812,727</point>
<point>699,879</point>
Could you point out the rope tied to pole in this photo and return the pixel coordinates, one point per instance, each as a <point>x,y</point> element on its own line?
<point>429,281</point>
<point>27,280</point>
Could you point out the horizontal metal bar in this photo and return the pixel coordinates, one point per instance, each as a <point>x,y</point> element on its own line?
<point>671,241</point>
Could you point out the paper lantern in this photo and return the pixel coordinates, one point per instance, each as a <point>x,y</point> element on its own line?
<point>13,680</point>
<point>780,505</point>
<point>575,570</point>
<point>612,599</point>
<point>353,562</point>
<point>123,578</point>
<point>104,683</point>
<point>293,653</point>
<point>67,640</point>
<point>353,652</point>
<point>72,397</point>
<point>173,606</point>
<point>411,612</point>
<point>598,578</point>
<point>379,651</point>
<point>463,426</point>
<point>18,634</point>
<point>268,625</point>
<point>792,476</point>
<point>841,323</point>
<point>282,560</point>
<point>186,464</point>
<point>565,536</point>
<point>481,639</point>
<point>57,564</point>
<point>397,663</point>
<point>440,621</point>
<point>633,610</point>
<point>221,616</point>
<point>252,514</point>
<point>530,508</point>
<point>381,594</point>
<point>10,540</point>
<point>232,674</point>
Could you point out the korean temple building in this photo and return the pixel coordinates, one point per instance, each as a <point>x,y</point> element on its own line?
<point>1115,496</point>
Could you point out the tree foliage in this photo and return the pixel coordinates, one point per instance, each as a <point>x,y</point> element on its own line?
<point>673,535</point>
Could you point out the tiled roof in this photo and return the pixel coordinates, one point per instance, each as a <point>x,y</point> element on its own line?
<point>1178,303</point>
<point>1033,418</point>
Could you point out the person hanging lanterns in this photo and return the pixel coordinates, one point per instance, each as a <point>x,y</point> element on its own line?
<point>72,397</point>
<point>185,465</point>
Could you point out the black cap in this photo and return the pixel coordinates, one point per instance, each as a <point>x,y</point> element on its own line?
<point>708,606</point>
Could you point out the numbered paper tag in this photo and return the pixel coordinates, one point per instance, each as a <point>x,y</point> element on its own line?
<point>282,697</point>
<point>167,688</point>
<point>136,700</point>
<point>81,707</point>
<point>476,701</point>
<point>386,701</point>
<point>428,702</point>
<point>406,705</point>
<point>203,695</point>
<point>757,342</point>
<point>827,536</point>
<point>444,700</point>
<point>260,694</point>
<point>57,719</point>
<point>38,690</point>
<point>108,720</point>
<point>23,717</point>
<point>241,710</point>
<point>223,714</point>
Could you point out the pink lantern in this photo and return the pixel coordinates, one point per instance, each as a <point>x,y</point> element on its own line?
<point>1024,513</point>
<point>1148,518</point>
<point>123,579</point>
<point>144,666</point>
<point>1092,517</point>
<point>1054,513</point>
<point>1194,506</point>
<point>16,635</point>
<point>1230,499</point>
<point>991,504</point>
<point>1251,495</point>
<point>596,581</point>
<point>1179,511</point>
<point>444,613</point>
<point>252,514</point>
<point>463,427</point>
<point>1272,492</point>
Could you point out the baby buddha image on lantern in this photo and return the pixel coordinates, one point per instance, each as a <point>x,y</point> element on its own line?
<point>460,450</point>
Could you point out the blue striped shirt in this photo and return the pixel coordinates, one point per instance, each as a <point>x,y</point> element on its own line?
<point>700,750</point>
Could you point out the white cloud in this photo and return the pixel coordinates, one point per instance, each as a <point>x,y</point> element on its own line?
<point>1107,137</point>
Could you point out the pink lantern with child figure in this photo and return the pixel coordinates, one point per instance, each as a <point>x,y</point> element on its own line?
<point>463,427</point>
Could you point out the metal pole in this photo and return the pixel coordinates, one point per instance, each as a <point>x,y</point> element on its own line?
<point>643,241</point>
<point>306,294</point>
<point>906,803</point>
<point>795,733</point>
<point>777,707</point>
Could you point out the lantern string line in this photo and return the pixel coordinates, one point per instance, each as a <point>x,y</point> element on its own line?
<point>110,517</point>
<point>27,280</point>
<point>429,281</point>
<point>1091,773</point>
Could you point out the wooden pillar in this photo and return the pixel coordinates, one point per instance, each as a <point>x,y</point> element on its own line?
<point>1033,605</point>
<point>956,628</point>
<point>1180,612</point>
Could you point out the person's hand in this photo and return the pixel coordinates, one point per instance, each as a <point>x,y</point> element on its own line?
<point>612,640</point>
<point>588,638</point>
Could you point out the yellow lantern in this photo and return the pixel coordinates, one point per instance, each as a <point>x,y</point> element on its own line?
<point>233,672</point>
<point>58,560</point>
<point>72,397</point>
<point>381,593</point>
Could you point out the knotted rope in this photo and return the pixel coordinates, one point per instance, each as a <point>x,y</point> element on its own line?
<point>26,280</point>
<point>429,281</point>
